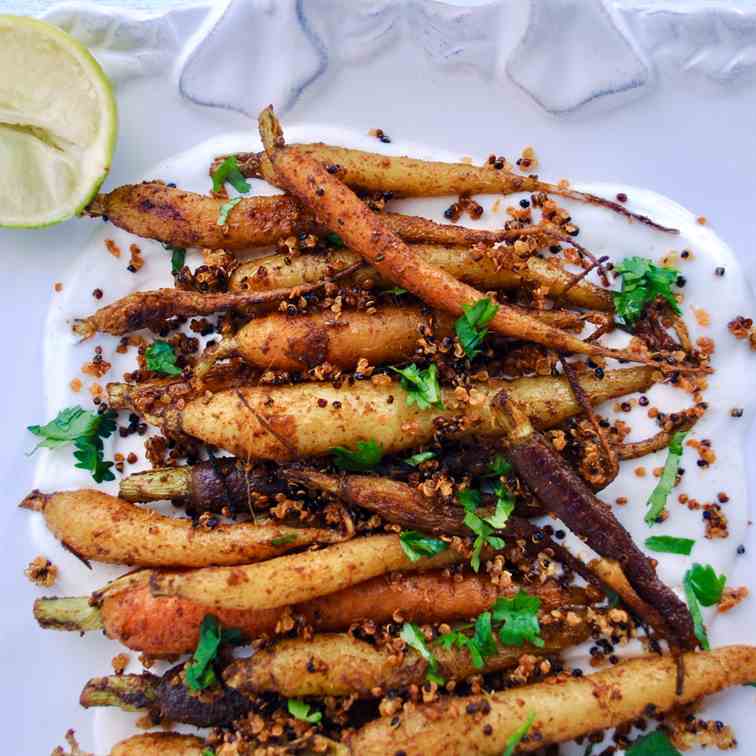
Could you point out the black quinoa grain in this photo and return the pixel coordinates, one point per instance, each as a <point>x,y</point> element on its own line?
<point>719,271</point>
<point>681,281</point>
<point>736,412</point>
<point>621,197</point>
<point>524,203</point>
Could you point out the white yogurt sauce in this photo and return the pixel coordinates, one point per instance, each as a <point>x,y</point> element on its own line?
<point>601,231</point>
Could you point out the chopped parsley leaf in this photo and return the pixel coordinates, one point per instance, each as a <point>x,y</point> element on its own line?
<point>483,527</point>
<point>301,710</point>
<point>334,240</point>
<point>199,672</point>
<point>654,744</point>
<point>85,431</point>
<point>702,586</point>
<point>178,257</point>
<point>518,735</point>
<point>419,458</point>
<point>229,171</point>
<point>670,545</point>
<point>367,455</point>
<point>707,585</point>
<point>471,326</point>
<point>413,636</point>
<point>225,209</point>
<point>422,386</point>
<point>657,502</point>
<point>520,618</point>
<point>416,545</point>
<point>643,282</point>
<point>284,539</point>
<point>499,466</point>
<point>161,357</point>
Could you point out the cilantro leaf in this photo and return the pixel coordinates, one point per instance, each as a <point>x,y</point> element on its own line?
<point>702,586</point>
<point>483,527</point>
<point>670,545</point>
<point>414,638</point>
<point>520,618</point>
<point>367,455</point>
<point>499,466</point>
<point>397,291</point>
<point>419,458</point>
<point>178,259</point>
<point>706,584</point>
<point>208,752</point>
<point>422,386</point>
<point>416,545</point>
<point>85,431</point>
<point>471,326</point>
<point>334,240</point>
<point>642,282</point>
<point>518,735</point>
<point>70,424</point>
<point>199,673</point>
<point>505,504</point>
<point>225,209</point>
<point>229,171</point>
<point>657,502</point>
<point>284,539</point>
<point>161,358</point>
<point>654,744</point>
<point>480,646</point>
<point>301,710</point>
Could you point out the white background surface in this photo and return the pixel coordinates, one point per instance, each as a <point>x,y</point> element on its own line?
<point>690,138</point>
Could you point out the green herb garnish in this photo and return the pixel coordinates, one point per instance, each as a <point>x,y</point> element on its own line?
<point>471,326</point>
<point>654,744</point>
<point>334,240</point>
<point>707,585</point>
<point>416,545</point>
<point>422,386</point>
<point>499,466</point>
<point>161,358</point>
<point>643,282</point>
<point>208,752</point>
<point>367,455</point>
<point>284,539</point>
<point>480,646</point>
<point>397,291</point>
<point>670,545</point>
<point>85,430</point>
<point>520,618</point>
<point>225,209</point>
<point>419,458</point>
<point>178,257</point>
<point>199,672</point>
<point>413,636</point>
<point>483,527</point>
<point>657,502</point>
<point>702,586</point>
<point>518,735</point>
<point>301,710</point>
<point>229,171</point>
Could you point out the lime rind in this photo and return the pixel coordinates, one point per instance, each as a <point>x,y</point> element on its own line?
<point>89,165</point>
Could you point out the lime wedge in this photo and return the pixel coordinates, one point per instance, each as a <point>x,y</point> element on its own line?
<point>58,124</point>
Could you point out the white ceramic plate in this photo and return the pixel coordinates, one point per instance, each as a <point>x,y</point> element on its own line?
<point>659,96</point>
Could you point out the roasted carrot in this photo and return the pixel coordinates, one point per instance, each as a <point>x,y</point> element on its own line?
<point>154,210</point>
<point>304,420</point>
<point>411,177</point>
<point>168,625</point>
<point>104,528</point>
<point>561,709</point>
<point>484,269</point>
